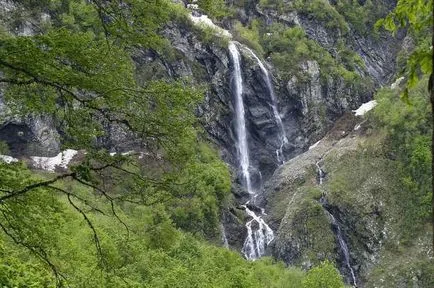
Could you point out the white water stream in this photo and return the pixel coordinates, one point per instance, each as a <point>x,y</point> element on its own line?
<point>259,234</point>
<point>240,121</point>
<point>321,173</point>
<point>224,238</point>
<point>257,238</point>
<point>278,119</point>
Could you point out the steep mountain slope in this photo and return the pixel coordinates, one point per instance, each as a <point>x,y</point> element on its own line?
<point>304,66</point>
<point>324,70</point>
<point>345,199</point>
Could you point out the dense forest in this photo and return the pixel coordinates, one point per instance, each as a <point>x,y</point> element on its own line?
<point>213,143</point>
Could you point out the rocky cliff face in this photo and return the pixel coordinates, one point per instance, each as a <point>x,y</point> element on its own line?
<point>308,107</point>
<point>295,199</point>
<point>25,135</point>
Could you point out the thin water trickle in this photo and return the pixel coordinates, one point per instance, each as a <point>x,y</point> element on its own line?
<point>338,232</point>
<point>321,174</point>
<point>343,247</point>
<point>224,237</point>
<point>259,235</point>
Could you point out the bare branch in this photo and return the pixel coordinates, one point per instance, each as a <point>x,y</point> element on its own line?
<point>108,197</point>
<point>89,223</point>
<point>28,188</point>
<point>84,201</point>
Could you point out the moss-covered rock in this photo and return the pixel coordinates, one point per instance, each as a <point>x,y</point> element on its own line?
<point>305,237</point>
<point>362,191</point>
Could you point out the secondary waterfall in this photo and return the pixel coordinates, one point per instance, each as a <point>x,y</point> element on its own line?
<point>321,174</point>
<point>337,228</point>
<point>224,238</point>
<point>343,246</point>
<point>268,82</point>
<point>259,234</point>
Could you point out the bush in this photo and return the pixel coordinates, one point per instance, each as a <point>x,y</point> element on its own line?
<point>290,47</point>
<point>249,35</point>
<point>215,9</point>
<point>323,276</point>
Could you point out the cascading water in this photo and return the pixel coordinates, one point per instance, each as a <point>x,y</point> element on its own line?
<point>321,174</point>
<point>338,231</point>
<point>278,119</point>
<point>256,241</point>
<point>259,235</point>
<point>240,121</point>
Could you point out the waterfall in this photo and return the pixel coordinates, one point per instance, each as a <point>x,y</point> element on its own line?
<point>256,241</point>
<point>321,174</point>
<point>278,119</point>
<point>240,123</point>
<point>259,235</point>
<point>343,246</point>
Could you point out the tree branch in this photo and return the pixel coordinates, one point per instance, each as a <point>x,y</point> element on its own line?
<point>38,251</point>
<point>77,197</point>
<point>30,187</point>
<point>89,223</point>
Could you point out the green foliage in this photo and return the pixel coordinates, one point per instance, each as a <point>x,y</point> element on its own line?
<point>408,128</point>
<point>335,15</point>
<point>19,270</point>
<point>400,269</point>
<point>274,274</point>
<point>362,17</point>
<point>138,23</point>
<point>4,148</point>
<point>279,5</point>
<point>80,79</point>
<point>151,253</point>
<point>249,35</point>
<point>324,12</point>
<point>321,10</point>
<point>115,221</point>
<point>412,13</point>
<point>289,48</point>
<point>324,275</point>
<point>80,71</point>
<point>196,205</point>
<point>210,36</point>
<point>416,16</point>
<point>216,9</point>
